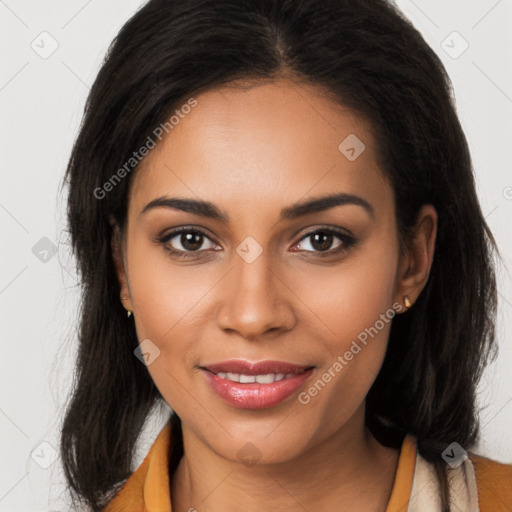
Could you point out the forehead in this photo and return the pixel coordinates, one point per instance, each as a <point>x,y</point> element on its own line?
<point>271,143</point>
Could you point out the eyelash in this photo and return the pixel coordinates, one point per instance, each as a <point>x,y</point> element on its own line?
<point>346,239</point>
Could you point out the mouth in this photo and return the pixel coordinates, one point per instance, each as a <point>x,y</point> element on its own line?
<point>255,385</point>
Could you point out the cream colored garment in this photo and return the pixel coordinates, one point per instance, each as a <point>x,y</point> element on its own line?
<point>425,493</point>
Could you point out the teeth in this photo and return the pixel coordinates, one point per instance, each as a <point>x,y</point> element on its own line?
<point>266,379</point>
<point>260,379</point>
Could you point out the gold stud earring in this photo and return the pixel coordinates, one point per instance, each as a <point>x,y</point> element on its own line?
<point>407,301</point>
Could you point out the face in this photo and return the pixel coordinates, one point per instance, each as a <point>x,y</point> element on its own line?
<point>264,280</point>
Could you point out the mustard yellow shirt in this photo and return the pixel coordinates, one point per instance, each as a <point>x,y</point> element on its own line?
<point>147,489</point>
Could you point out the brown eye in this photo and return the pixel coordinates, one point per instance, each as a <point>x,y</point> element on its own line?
<point>181,242</point>
<point>191,241</point>
<point>321,241</point>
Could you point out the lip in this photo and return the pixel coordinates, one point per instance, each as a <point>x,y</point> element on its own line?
<point>255,395</point>
<point>259,368</point>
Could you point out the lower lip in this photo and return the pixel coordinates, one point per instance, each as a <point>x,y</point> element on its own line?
<point>254,395</point>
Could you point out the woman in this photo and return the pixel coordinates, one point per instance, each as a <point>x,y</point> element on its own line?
<point>273,210</point>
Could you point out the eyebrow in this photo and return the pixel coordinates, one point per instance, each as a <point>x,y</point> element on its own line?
<point>295,211</point>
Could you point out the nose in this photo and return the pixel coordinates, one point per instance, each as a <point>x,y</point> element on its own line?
<point>255,300</point>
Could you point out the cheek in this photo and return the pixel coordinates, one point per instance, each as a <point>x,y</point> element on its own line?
<point>167,303</point>
<point>349,298</point>
<point>163,293</point>
<point>355,303</point>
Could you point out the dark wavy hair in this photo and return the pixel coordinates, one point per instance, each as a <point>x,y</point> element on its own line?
<point>366,56</point>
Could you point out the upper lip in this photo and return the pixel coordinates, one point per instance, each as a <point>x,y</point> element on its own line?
<point>259,368</point>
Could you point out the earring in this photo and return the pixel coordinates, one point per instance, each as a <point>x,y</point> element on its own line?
<point>128,312</point>
<point>407,301</point>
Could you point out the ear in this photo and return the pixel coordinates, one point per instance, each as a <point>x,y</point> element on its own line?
<point>417,256</point>
<point>119,264</point>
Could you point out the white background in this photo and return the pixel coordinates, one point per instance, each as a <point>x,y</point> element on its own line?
<point>42,102</point>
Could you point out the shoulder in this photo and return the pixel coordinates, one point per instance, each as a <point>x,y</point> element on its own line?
<point>479,483</point>
<point>494,484</point>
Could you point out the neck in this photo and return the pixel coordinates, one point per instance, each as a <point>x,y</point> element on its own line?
<point>348,468</point>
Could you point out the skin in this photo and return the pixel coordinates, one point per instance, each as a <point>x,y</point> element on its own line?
<point>253,151</point>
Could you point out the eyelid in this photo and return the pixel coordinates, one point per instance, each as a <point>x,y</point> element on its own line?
<point>343,234</point>
<point>328,228</point>
<point>183,229</point>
